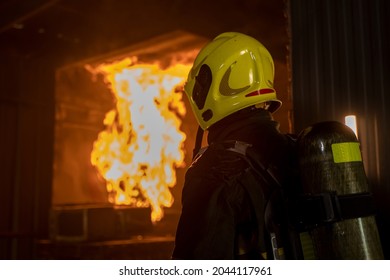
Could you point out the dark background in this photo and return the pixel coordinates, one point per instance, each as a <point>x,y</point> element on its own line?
<point>331,60</point>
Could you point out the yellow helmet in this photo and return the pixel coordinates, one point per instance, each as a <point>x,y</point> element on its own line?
<point>232,72</point>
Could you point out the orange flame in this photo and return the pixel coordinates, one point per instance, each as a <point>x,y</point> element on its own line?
<point>142,144</point>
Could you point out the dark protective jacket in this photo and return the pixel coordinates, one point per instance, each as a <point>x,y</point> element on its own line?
<point>225,202</point>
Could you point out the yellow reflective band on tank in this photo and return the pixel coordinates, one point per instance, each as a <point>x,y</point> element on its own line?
<point>346,152</point>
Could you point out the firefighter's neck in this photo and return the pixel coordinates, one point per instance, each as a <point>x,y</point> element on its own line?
<point>237,126</point>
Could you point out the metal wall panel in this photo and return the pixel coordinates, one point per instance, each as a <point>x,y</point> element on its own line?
<point>26,125</point>
<point>340,65</point>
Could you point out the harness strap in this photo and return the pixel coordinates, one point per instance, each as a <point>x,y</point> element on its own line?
<point>271,189</point>
<point>328,207</point>
<point>198,142</point>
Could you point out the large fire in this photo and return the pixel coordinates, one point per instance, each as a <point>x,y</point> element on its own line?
<point>142,145</point>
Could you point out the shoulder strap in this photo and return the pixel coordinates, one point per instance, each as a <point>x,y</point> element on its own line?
<point>274,209</point>
<point>198,142</point>
<point>253,159</point>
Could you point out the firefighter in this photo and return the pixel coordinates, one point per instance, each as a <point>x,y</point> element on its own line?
<point>232,190</point>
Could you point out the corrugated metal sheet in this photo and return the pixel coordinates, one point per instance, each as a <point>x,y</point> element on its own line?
<point>340,65</point>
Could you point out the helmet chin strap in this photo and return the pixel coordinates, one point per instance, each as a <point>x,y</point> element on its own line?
<point>198,142</point>
<point>263,105</point>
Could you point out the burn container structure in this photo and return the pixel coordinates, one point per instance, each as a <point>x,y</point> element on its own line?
<point>336,209</point>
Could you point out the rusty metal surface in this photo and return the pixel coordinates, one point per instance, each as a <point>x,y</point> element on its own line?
<point>81,223</point>
<point>139,248</point>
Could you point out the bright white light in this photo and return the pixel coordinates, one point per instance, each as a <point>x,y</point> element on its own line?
<point>350,121</point>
